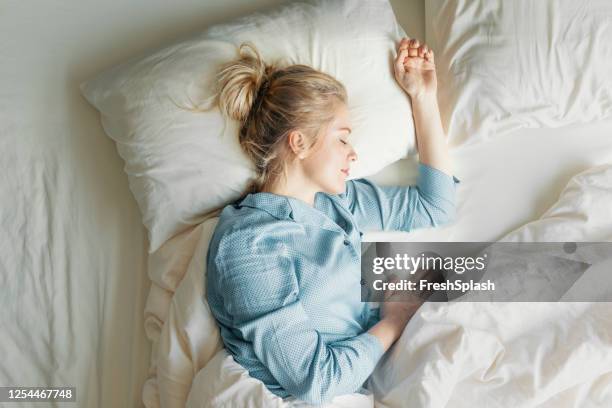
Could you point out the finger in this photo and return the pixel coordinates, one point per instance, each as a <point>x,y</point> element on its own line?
<point>433,276</point>
<point>414,43</point>
<point>390,293</point>
<point>413,52</point>
<point>393,278</point>
<point>411,62</point>
<point>419,273</point>
<point>423,50</point>
<point>412,58</point>
<point>399,66</point>
<point>404,43</point>
<point>430,56</point>
<point>418,63</point>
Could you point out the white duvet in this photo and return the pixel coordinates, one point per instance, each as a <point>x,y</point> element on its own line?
<point>455,355</point>
<point>513,354</point>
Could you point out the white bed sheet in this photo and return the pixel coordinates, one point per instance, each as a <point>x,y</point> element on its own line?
<point>73,251</point>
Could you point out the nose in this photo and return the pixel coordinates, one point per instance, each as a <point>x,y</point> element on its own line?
<point>352,155</point>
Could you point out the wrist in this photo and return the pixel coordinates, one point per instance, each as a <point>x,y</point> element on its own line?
<point>424,97</point>
<point>397,323</point>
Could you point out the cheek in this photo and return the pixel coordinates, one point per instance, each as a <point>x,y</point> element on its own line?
<point>326,164</point>
<point>325,158</point>
<point>328,169</point>
<point>334,162</point>
<point>324,172</point>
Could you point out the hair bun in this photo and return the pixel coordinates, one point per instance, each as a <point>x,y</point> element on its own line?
<point>239,82</point>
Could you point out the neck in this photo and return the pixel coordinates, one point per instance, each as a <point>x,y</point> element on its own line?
<point>299,189</point>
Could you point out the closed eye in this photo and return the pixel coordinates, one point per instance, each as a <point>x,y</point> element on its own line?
<point>346,131</point>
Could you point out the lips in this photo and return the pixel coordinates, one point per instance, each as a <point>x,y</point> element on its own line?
<point>345,171</point>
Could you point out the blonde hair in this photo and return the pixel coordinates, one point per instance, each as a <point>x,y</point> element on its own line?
<point>270,102</point>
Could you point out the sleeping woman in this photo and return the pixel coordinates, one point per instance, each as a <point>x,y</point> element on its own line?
<point>284,261</point>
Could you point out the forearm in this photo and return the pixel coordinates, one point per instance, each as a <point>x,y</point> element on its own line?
<point>304,364</point>
<point>387,331</point>
<point>331,369</point>
<point>431,140</point>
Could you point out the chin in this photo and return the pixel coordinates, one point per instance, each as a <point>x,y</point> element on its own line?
<point>334,190</point>
<point>341,188</point>
<point>337,186</point>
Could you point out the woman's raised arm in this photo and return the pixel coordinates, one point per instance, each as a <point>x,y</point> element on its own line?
<point>415,71</point>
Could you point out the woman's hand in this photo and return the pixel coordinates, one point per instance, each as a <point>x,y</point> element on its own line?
<point>415,70</point>
<point>395,312</point>
<point>400,305</point>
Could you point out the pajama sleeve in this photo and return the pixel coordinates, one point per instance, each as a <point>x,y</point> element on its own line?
<point>428,204</point>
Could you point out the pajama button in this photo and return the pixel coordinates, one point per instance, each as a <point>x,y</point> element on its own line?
<point>346,242</point>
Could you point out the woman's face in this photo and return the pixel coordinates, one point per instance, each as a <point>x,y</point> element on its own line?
<point>327,165</point>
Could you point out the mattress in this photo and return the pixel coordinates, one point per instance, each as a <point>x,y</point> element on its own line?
<point>73,258</point>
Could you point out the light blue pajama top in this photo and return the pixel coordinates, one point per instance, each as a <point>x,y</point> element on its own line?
<point>283,280</point>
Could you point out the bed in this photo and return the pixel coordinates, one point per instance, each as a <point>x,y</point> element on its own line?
<point>77,276</point>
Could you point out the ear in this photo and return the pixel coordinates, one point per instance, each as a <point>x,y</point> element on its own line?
<point>297,143</point>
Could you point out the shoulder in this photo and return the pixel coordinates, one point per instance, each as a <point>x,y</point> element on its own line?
<point>248,253</point>
<point>244,234</point>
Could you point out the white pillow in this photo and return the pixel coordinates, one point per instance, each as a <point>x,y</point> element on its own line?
<point>182,164</point>
<point>505,65</point>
